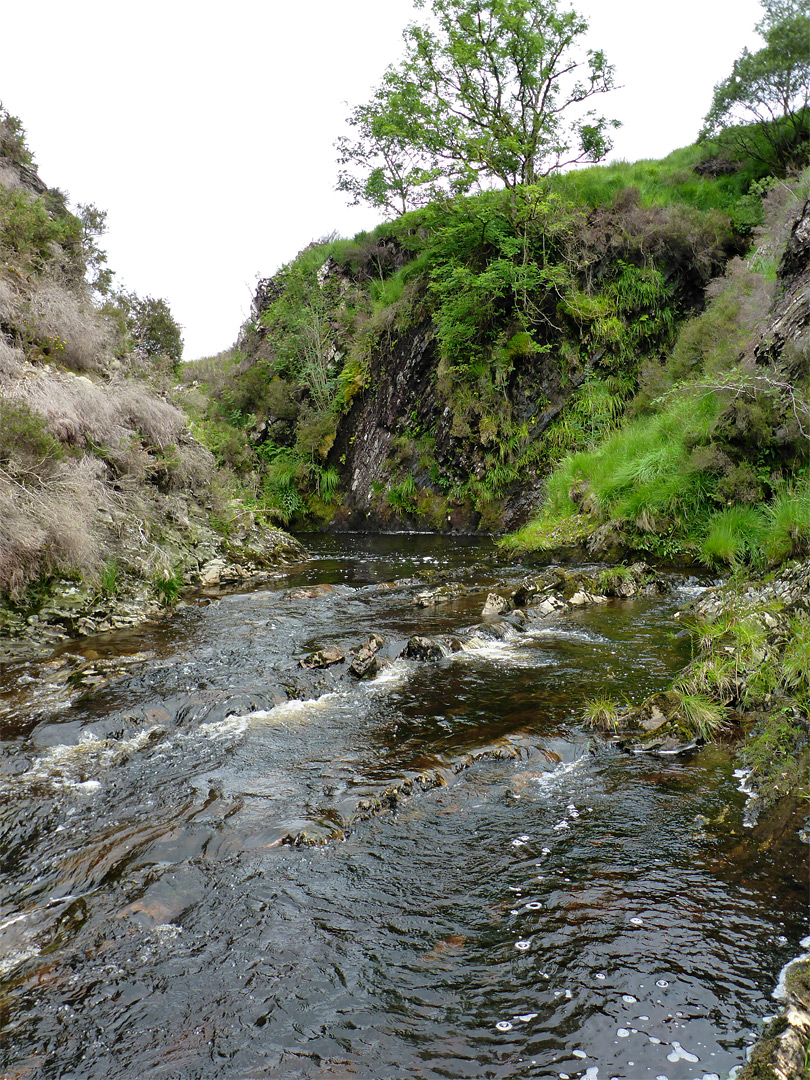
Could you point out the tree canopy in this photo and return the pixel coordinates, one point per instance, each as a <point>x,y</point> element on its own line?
<point>487,89</point>
<point>765,98</point>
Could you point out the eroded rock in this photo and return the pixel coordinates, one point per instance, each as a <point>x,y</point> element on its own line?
<point>422,648</point>
<point>496,605</point>
<point>365,664</point>
<point>323,658</point>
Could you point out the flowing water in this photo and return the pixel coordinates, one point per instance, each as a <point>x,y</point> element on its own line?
<point>528,903</point>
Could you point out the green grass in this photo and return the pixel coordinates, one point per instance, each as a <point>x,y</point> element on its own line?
<point>701,715</point>
<point>734,536</point>
<point>601,714</point>
<point>663,182</point>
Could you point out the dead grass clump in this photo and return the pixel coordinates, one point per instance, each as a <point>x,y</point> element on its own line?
<point>10,304</point>
<point>158,422</point>
<point>67,328</point>
<point>193,467</point>
<point>78,410</point>
<point>12,363</point>
<point>51,530</point>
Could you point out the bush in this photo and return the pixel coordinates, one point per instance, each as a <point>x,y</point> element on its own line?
<point>26,445</point>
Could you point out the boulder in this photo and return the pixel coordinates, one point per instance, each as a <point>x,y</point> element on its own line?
<point>323,658</point>
<point>422,648</point>
<point>444,593</point>
<point>365,664</point>
<point>583,599</point>
<point>496,605</point>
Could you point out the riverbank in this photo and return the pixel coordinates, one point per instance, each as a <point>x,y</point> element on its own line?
<point>144,581</point>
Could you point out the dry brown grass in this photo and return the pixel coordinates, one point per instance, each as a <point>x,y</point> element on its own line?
<point>158,421</point>
<point>52,529</point>
<point>67,327</point>
<point>12,363</point>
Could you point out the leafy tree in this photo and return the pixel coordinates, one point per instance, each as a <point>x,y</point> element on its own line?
<point>394,176</point>
<point>487,89</point>
<point>769,89</point>
<point>94,224</point>
<point>150,326</point>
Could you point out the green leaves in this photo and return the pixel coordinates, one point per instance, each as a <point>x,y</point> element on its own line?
<point>487,89</point>
<point>771,88</point>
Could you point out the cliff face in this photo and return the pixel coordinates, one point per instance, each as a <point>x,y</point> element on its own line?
<point>106,499</point>
<point>447,361</point>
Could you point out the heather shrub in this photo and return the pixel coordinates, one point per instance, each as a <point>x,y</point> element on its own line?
<point>26,445</point>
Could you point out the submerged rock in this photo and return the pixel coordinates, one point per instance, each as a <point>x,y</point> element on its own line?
<point>312,592</point>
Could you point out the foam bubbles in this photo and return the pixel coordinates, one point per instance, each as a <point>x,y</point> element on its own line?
<point>637,922</point>
<point>623,1033</point>
<point>503,1025</point>
<point>661,982</point>
<point>522,945</point>
<point>526,1017</point>
<point>534,905</point>
<point>628,999</point>
<point>679,1054</point>
<point>578,1054</point>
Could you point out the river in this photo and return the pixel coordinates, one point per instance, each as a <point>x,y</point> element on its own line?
<point>214,864</point>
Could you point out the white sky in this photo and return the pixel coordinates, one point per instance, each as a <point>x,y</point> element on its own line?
<point>206,132</point>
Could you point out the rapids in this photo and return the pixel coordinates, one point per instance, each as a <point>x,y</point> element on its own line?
<point>214,864</point>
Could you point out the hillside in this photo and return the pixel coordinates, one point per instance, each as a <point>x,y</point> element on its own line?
<point>109,508</point>
<point>430,375</point>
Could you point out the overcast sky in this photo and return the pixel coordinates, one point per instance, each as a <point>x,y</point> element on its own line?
<point>206,132</point>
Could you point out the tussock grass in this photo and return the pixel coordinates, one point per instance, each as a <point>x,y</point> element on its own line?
<point>701,715</point>
<point>66,328</point>
<point>601,714</point>
<point>53,529</point>
<point>734,536</point>
<point>12,361</point>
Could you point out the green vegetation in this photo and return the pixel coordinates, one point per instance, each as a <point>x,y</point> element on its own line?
<point>601,714</point>
<point>694,470</point>
<point>770,87</point>
<point>443,118</point>
<point>701,716</point>
<point>101,483</point>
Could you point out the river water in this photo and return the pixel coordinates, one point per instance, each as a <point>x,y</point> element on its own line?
<point>530,903</point>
